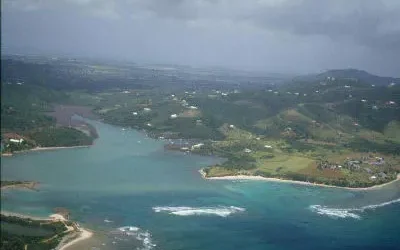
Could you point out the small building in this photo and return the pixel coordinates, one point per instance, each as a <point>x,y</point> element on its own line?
<point>134,113</point>
<point>148,124</point>
<point>368,170</point>
<point>382,175</point>
<point>193,107</point>
<point>197,146</point>
<point>246,150</point>
<point>231,126</point>
<point>126,92</point>
<point>363,100</point>
<point>373,177</point>
<point>147,109</point>
<point>17,140</point>
<point>267,146</point>
<point>173,116</point>
<point>258,138</point>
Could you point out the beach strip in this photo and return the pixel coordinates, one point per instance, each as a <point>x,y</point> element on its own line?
<point>261,178</point>
<point>43,149</point>
<point>83,233</point>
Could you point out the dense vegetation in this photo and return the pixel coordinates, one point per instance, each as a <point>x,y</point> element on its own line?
<point>24,115</point>
<point>18,233</point>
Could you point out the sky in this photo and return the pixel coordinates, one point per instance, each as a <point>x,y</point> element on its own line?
<point>276,36</point>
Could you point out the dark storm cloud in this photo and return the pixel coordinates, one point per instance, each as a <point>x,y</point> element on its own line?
<point>273,35</point>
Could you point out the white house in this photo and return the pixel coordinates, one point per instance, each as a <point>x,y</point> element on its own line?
<point>173,116</point>
<point>126,92</point>
<point>373,177</point>
<point>246,150</point>
<point>270,90</point>
<point>267,146</point>
<point>346,86</point>
<point>192,107</point>
<point>231,126</point>
<point>363,100</point>
<point>147,109</point>
<point>196,146</point>
<point>134,113</point>
<point>17,140</point>
<point>148,124</point>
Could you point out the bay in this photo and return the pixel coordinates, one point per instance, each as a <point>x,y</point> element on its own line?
<point>136,195</point>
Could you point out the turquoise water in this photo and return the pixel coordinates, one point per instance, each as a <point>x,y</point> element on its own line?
<point>128,180</point>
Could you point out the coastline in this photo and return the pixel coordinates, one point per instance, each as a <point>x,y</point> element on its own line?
<point>28,185</point>
<point>261,178</point>
<point>43,149</point>
<point>83,233</point>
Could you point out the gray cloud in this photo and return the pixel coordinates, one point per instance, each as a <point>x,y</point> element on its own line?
<point>282,35</point>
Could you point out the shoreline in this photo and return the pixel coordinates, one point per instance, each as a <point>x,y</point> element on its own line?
<point>43,149</point>
<point>31,185</point>
<point>83,233</point>
<point>261,178</point>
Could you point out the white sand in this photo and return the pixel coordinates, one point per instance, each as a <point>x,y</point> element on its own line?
<point>261,178</point>
<point>84,234</point>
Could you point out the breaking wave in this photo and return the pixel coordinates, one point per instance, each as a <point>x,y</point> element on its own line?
<point>349,212</point>
<point>141,235</point>
<point>222,211</point>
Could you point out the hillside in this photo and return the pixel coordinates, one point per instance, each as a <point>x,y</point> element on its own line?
<point>335,131</point>
<point>353,75</point>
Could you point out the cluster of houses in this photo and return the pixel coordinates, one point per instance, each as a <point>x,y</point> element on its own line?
<point>356,165</point>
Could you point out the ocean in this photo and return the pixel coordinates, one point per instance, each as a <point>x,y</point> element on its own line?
<point>136,195</point>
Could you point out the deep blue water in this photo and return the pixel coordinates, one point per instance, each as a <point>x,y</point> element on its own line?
<point>127,179</point>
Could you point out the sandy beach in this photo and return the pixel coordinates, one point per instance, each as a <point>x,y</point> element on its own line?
<point>54,148</point>
<point>42,149</point>
<point>261,178</point>
<point>28,185</point>
<point>83,233</point>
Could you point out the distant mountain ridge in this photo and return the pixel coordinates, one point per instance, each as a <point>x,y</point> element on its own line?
<point>355,74</point>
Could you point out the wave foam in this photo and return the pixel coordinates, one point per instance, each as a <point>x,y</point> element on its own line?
<point>140,235</point>
<point>222,211</point>
<point>349,212</point>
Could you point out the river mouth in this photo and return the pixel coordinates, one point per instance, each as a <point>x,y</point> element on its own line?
<point>127,180</point>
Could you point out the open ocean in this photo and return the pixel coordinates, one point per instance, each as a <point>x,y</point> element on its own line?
<point>135,195</point>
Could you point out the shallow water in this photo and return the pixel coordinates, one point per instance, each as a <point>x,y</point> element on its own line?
<point>127,179</point>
